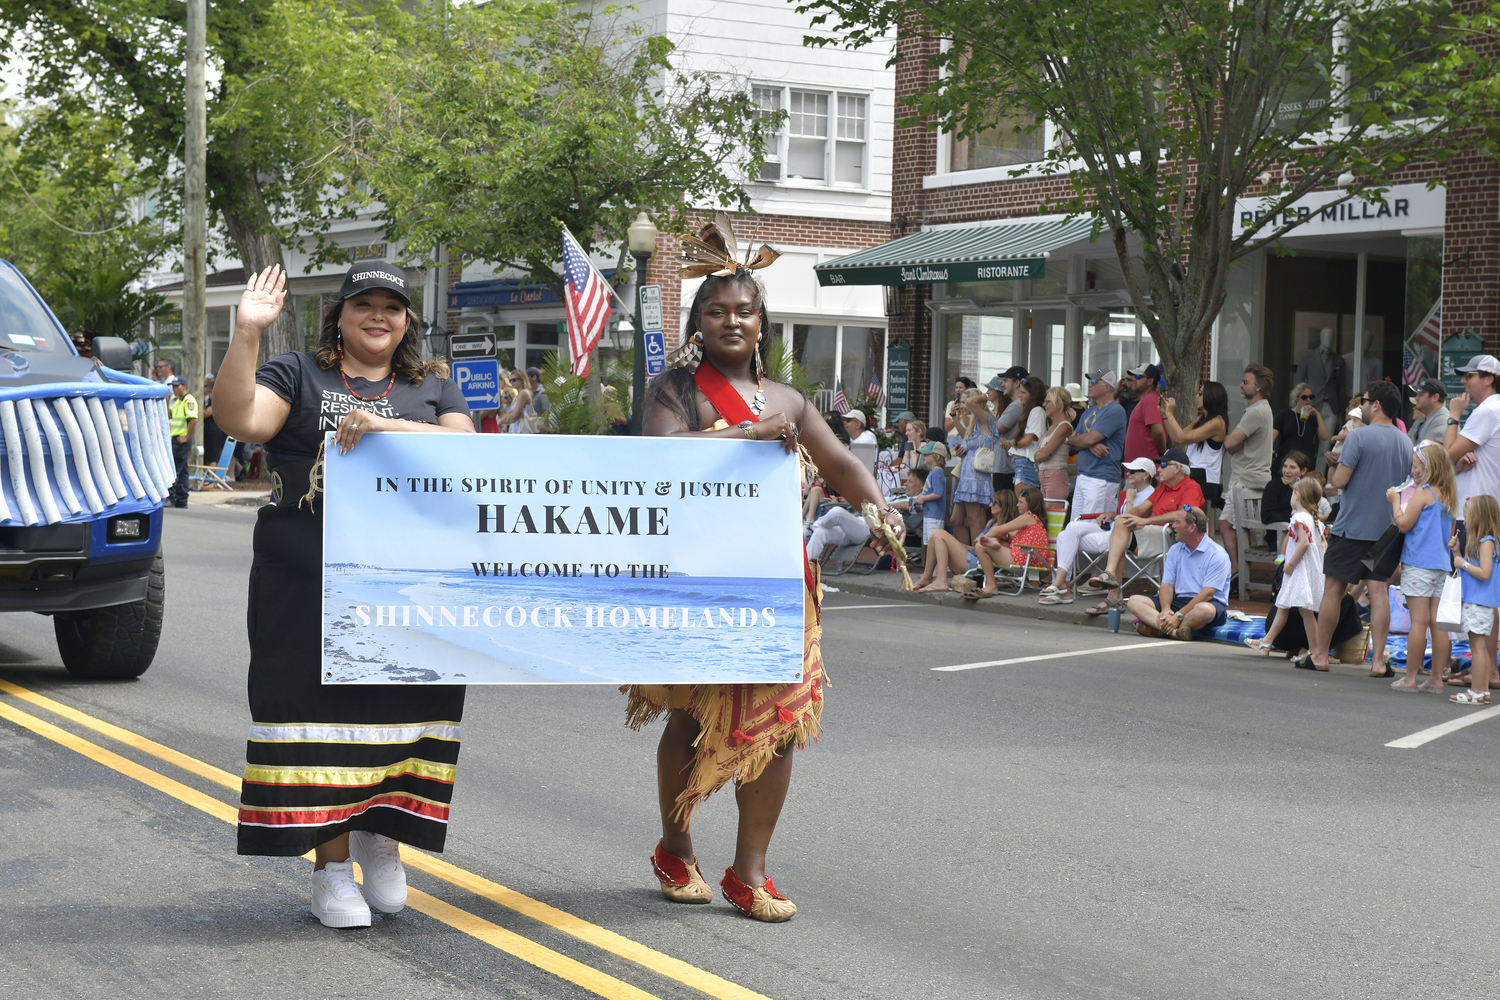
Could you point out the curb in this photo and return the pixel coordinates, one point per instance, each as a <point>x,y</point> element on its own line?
<point>1065,614</point>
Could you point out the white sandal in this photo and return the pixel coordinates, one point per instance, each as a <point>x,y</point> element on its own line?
<point>1049,590</point>
<point>1259,646</point>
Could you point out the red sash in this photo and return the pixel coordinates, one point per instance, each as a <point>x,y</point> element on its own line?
<point>733,408</point>
<point>723,396</point>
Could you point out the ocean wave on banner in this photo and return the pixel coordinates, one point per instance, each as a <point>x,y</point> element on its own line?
<point>446,651</point>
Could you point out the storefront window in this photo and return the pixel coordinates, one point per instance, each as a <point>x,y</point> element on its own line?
<point>1424,290</point>
<point>541,339</point>
<point>815,348</point>
<point>978,346</point>
<point>859,356</point>
<point>218,337</point>
<point>1055,282</point>
<point>1114,341</point>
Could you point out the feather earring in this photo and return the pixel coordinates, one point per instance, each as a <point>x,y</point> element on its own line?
<point>689,355</point>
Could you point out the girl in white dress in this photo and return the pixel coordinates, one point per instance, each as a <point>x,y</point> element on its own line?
<point>1302,573</point>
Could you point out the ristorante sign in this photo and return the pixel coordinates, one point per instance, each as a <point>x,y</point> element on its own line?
<point>922,274</point>
<point>515,559</point>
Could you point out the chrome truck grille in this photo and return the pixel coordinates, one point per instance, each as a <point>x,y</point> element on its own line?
<point>74,451</point>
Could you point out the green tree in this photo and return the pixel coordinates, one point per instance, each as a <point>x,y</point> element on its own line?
<point>1170,110</point>
<point>124,60</point>
<point>495,122</point>
<point>76,217</point>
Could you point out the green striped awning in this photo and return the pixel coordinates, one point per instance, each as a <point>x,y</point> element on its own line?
<point>978,253</point>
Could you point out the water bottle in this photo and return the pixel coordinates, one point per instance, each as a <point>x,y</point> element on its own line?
<point>1114,619</point>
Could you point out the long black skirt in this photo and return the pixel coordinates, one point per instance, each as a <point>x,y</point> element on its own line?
<point>322,761</point>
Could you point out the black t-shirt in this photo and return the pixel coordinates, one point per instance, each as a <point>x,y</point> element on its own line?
<point>319,401</point>
<point>1294,433</point>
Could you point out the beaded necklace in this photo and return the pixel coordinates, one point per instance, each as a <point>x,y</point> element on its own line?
<point>367,399</point>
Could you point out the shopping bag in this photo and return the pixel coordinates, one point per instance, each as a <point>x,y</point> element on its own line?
<point>1384,554</point>
<point>1450,609</point>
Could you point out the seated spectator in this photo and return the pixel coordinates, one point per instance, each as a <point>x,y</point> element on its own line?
<point>838,527</point>
<point>1000,547</point>
<point>1090,535</point>
<point>1194,587</point>
<point>1177,489</point>
<point>947,555</point>
<point>856,425</point>
<point>1276,499</point>
<point>915,434</point>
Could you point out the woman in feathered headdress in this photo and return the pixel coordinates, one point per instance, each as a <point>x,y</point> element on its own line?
<point>717,386</point>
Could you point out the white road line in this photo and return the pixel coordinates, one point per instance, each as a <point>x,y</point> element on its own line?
<point>1453,726</point>
<point>1060,654</point>
<point>856,607</point>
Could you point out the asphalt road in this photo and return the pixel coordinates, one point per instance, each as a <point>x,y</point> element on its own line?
<point>1167,820</point>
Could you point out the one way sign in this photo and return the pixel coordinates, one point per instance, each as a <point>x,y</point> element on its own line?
<point>471,345</point>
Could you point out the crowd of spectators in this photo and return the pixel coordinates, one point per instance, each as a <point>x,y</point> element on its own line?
<point>1391,504</point>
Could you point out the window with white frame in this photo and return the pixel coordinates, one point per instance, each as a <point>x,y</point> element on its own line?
<point>824,139</point>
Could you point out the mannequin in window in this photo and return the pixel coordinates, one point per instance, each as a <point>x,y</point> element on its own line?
<point>1327,374</point>
<point>1371,371</point>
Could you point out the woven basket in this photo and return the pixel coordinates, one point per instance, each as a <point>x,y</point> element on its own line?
<point>1354,650</point>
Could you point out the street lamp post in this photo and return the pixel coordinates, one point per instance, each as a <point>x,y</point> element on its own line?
<point>642,239</point>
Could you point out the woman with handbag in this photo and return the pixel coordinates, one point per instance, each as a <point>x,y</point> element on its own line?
<point>1426,516</point>
<point>972,495</point>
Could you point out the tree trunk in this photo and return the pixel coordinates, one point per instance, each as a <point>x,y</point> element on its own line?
<point>259,244</point>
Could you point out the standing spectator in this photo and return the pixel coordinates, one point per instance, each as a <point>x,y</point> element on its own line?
<point>539,401</point>
<point>1194,590</point>
<point>1052,451</point>
<point>1125,395</point>
<point>213,437</point>
<point>1004,391</point>
<point>1481,581</point>
<point>1091,535</point>
<point>972,495</point>
<point>1475,450</point>
<point>1029,430</point>
<point>183,409</point>
<point>1426,516</point>
<point>857,424</point>
<point>512,419</point>
<point>1250,444</point>
<point>933,496</point>
<point>955,406</point>
<point>1428,416</point>
<point>1203,439</point>
<point>1100,440</point>
<point>1374,458</point>
<point>1302,578</point>
<point>165,369</point>
<point>1298,428</point>
<point>1146,433</point>
<point>1175,490</point>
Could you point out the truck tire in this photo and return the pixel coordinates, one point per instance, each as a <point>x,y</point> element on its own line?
<point>115,642</point>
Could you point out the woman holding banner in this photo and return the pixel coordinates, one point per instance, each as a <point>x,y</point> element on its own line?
<point>346,771</point>
<point>745,732</point>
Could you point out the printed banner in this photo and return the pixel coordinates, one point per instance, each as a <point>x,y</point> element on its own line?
<point>526,559</point>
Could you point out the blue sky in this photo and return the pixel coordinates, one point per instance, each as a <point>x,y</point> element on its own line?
<point>739,537</point>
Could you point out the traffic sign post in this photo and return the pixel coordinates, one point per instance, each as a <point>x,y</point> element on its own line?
<point>471,345</point>
<point>656,352</point>
<point>479,381</point>
<point>651,307</point>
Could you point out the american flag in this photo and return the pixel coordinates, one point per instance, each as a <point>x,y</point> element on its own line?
<point>1412,371</point>
<point>1430,332</point>
<point>840,401</point>
<point>875,389</point>
<point>586,297</point>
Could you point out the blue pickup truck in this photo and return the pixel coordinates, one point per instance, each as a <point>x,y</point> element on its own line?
<point>85,466</point>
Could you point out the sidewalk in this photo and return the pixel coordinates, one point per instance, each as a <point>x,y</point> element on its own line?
<point>241,497</point>
<point>887,585</point>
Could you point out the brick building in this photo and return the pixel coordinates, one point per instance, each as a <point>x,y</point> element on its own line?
<point>1032,290</point>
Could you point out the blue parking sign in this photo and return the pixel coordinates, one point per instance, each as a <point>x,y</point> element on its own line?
<point>479,381</point>
<point>656,351</point>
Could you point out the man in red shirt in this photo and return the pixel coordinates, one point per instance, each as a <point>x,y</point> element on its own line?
<point>1145,435</point>
<point>1176,489</point>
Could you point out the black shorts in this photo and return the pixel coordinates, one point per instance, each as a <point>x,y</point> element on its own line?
<point>1179,602</point>
<point>1212,492</point>
<point>1003,480</point>
<point>1344,560</point>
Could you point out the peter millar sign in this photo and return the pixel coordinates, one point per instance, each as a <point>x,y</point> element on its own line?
<point>922,274</point>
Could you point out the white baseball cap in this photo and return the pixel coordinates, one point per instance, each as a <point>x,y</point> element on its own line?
<point>1142,464</point>
<point>858,415</point>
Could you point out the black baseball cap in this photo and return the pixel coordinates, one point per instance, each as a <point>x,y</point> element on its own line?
<point>371,274</point>
<point>1176,456</point>
<point>1431,386</point>
<point>1016,372</point>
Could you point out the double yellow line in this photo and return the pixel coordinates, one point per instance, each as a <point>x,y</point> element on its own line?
<point>525,949</point>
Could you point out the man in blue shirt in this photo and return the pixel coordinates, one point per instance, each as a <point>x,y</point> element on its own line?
<point>1194,585</point>
<point>1100,440</point>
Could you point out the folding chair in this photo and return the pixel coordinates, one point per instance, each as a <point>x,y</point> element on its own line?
<point>1147,563</point>
<point>1247,516</point>
<point>216,476</point>
<point>1030,569</point>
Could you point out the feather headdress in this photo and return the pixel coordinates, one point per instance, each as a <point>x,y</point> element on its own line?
<point>715,251</point>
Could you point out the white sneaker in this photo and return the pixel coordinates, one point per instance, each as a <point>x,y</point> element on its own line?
<point>380,860</point>
<point>336,899</point>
